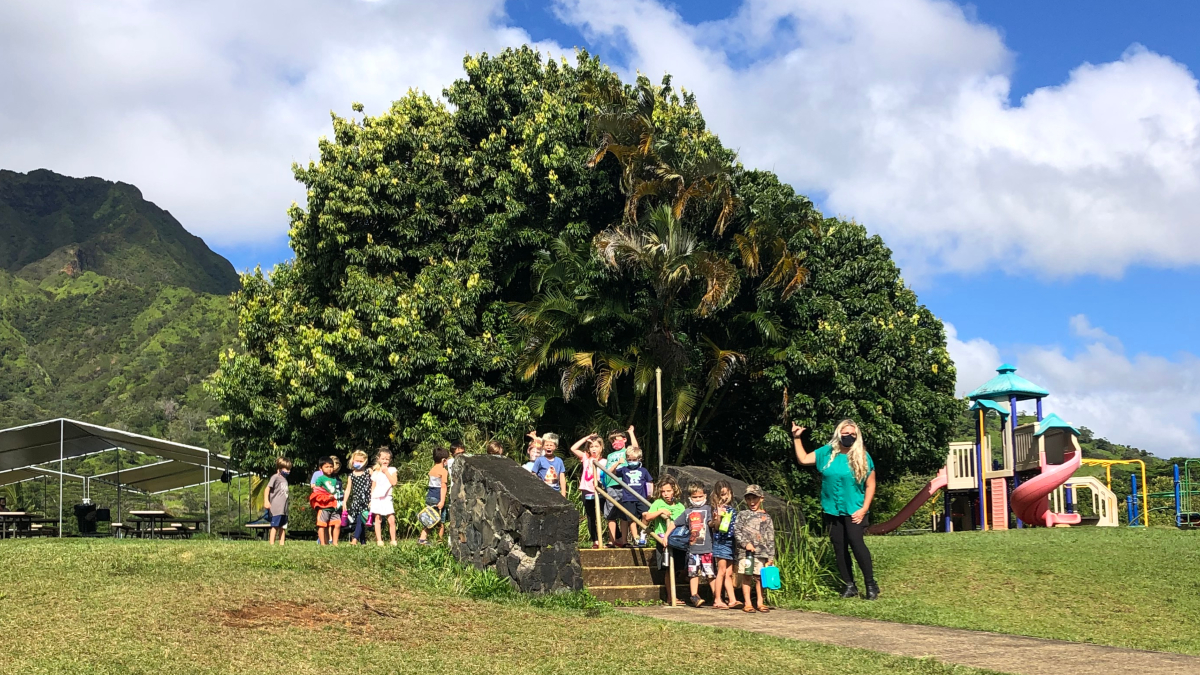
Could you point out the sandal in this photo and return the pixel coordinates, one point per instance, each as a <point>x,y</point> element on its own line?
<point>716,606</point>
<point>764,610</point>
<point>736,605</point>
<point>422,542</point>
<point>748,609</point>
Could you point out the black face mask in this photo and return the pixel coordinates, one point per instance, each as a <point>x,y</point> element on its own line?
<point>848,440</point>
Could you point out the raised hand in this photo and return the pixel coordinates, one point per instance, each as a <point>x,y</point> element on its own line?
<point>796,430</point>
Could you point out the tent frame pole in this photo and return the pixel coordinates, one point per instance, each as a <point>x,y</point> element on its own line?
<point>61,434</point>
<point>207,490</point>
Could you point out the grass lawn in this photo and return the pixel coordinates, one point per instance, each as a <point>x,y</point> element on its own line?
<point>109,606</point>
<point>1116,586</point>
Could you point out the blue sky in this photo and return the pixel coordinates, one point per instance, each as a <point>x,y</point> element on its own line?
<point>1035,166</point>
<point>1050,39</point>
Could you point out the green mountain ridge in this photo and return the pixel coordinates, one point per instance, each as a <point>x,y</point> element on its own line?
<point>53,223</point>
<point>110,311</point>
<point>108,351</point>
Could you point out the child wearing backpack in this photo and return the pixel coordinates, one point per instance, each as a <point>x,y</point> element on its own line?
<point>435,493</point>
<point>755,541</point>
<point>696,516</point>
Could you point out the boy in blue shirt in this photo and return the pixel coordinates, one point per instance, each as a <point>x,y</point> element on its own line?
<point>550,469</point>
<point>641,484</point>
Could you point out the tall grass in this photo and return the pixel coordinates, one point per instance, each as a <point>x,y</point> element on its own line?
<point>804,558</point>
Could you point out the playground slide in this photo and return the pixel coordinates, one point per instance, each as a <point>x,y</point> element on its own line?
<point>1031,499</point>
<point>931,488</point>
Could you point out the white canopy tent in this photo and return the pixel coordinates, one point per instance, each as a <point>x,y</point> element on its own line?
<point>24,449</point>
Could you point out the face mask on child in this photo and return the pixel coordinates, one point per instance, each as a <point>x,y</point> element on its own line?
<point>284,472</point>
<point>618,444</point>
<point>633,465</point>
<point>698,501</point>
<point>358,465</point>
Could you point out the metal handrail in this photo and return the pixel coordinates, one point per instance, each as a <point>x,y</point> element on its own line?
<point>660,539</point>
<point>666,550</point>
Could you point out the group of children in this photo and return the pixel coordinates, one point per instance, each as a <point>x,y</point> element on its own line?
<point>722,543</point>
<point>364,499</point>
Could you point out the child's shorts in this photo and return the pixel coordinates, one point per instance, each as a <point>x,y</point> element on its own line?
<point>722,550</point>
<point>327,516</point>
<point>700,566</point>
<point>751,566</point>
<point>431,499</point>
<point>611,512</point>
<point>279,521</point>
<point>636,508</point>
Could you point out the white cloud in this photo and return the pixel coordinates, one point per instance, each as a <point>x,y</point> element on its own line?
<point>899,113</point>
<point>1146,401</point>
<point>1082,328</point>
<point>205,105</point>
<point>975,360</point>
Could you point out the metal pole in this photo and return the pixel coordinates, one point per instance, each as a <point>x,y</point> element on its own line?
<point>1178,504</point>
<point>979,435</point>
<point>119,486</point>
<point>60,475</point>
<point>658,393</point>
<point>207,490</point>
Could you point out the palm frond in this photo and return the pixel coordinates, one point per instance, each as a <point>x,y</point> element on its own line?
<point>725,363</point>
<point>721,278</point>
<point>682,404</point>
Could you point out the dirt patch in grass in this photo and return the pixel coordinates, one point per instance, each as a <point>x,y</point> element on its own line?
<point>280,614</point>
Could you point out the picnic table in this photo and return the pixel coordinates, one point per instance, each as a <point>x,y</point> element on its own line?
<point>20,523</point>
<point>159,523</point>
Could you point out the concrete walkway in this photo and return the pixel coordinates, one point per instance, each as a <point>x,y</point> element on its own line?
<point>992,651</point>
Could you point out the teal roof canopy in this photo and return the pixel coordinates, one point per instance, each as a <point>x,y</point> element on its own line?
<point>1053,421</point>
<point>1006,384</point>
<point>986,404</point>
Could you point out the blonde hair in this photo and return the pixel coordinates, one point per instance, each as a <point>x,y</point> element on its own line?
<point>380,453</point>
<point>633,454</point>
<point>359,454</point>
<point>857,455</point>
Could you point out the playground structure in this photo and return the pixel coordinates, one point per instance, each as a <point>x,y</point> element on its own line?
<point>1029,479</point>
<point>1184,495</point>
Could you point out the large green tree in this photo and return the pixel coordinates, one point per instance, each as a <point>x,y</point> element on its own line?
<point>531,249</point>
<point>391,324</point>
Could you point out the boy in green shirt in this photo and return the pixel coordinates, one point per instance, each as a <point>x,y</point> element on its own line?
<point>329,521</point>
<point>665,508</point>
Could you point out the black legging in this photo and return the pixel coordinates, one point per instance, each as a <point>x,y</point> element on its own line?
<point>589,512</point>
<point>847,536</point>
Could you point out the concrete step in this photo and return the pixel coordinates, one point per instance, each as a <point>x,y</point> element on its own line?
<point>615,557</point>
<point>623,576</point>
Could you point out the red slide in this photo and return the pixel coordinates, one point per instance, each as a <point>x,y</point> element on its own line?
<point>931,488</point>
<point>1031,501</point>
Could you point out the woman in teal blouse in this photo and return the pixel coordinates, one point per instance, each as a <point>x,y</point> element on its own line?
<point>847,488</point>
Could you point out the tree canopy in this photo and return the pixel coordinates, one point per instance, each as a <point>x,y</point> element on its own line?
<point>530,248</point>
